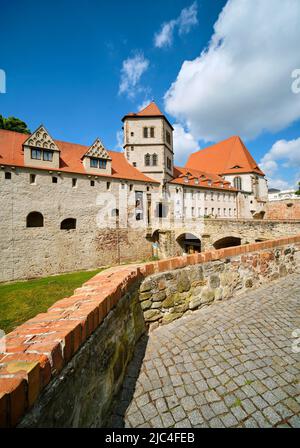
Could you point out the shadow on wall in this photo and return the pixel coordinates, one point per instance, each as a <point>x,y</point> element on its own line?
<point>125,395</point>
<point>229,241</point>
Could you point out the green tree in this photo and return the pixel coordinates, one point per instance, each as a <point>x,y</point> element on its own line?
<point>14,124</point>
<point>298,191</point>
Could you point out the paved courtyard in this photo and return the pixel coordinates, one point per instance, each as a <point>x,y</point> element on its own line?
<point>228,365</point>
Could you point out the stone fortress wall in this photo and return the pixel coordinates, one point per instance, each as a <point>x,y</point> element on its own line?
<point>29,252</point>
<point>84,343</point>
<point>41,251</point>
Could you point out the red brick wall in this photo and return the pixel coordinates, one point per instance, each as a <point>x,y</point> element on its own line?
<point>287,209</point>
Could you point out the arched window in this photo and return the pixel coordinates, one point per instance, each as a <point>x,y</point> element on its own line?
<point>147,159</point>
<point>68,224</point>
<point>35,219</point>
<point>154,159</point>
<point>237,182</point>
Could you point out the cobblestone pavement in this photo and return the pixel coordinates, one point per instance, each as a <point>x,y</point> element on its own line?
<point>227,365</point>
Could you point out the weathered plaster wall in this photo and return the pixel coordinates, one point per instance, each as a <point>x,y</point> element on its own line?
<point>41,251</point>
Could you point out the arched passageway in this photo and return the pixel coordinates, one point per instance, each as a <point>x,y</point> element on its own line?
<point>189,243</point>
<point>228,241</point>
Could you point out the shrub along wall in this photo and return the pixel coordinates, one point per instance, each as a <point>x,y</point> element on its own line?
<point>64,367</point>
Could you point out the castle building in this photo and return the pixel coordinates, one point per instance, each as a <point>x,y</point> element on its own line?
<point>67,207</point>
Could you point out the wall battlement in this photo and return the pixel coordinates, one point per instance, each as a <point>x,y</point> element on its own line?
<point>62,365</point>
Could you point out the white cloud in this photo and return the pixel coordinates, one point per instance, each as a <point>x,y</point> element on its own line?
<point>184,143</point>
<point>187,19</point>
<point>119,144</point>
<point>131,73</point>
<point>184,22</point>
<point>283,155</point>
<point>241,84</point>
<point>165,36</point>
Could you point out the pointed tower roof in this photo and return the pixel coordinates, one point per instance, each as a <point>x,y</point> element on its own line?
<point>151,110</point>
<point>227,157</point>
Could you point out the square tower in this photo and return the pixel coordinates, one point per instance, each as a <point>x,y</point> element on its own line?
<point>148,142</point>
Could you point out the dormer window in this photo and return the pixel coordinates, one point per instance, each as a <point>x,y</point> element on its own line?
<point>36,154</point>
<point>97,163</point>
<point>48,156</point>
<point>94,163</point>
<point>40,149</point>
<point>97,158</point>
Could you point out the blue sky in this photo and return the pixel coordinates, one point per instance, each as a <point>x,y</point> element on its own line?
<point>79,67</point>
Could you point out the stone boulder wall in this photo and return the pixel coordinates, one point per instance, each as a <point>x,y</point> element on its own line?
<point>166,296</point>
<point>63,368</point>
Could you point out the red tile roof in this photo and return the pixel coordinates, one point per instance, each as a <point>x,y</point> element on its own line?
<point>227,157</point>
<point>11,153</point>
<point>202,177</point>
<point>151,110</point>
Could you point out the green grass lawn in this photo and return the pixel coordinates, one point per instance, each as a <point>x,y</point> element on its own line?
<point>21,301</point>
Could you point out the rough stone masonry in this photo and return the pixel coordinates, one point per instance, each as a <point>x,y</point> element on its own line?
<point>167,296</point>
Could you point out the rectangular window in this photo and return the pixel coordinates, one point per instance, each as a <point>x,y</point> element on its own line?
<point>132,134</point>
<point>74,182</point>
<point>48,156</point>
<point>54,180</point>
<point>152,132</point>
<point>7,175</point>
<point>139,211</point>
<point>205,211</point>
<point>130,187</point>
<point>145,132</point>
<point>224,211</point>
<point>134,163</point>
<point>36,154</point>
<point>102,164</point>
<point>94,163</point>
<point>168,137</point>
<point>92,183</point>
<point>219,211</point>
<point>107,185</point>
<point>32,178</point>
<point>169,163</point>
